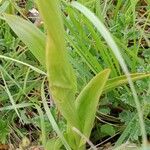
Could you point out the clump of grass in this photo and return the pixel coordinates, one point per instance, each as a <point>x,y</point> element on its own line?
<point>76,88</point>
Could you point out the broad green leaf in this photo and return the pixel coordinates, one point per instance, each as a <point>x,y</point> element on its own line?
<point>61,76</point>
<point>121,80</point>
<point>87,101</point>
<point>53,144</point>
<point>29,34</point>
<point>52,120</point>
<point>107,129</point>
<point>112,44</point>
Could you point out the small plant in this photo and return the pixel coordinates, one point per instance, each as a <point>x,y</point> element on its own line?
<point>79,112</point>
<point>78,106</point>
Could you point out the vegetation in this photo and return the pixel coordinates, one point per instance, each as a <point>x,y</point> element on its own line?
<point>76,76</point>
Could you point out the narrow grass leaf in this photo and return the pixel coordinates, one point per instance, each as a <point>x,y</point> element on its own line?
<point>121,80</point>
<point>52,120</point>
<point>16,83</point>
<point>23,63</point>
<point>11,98</point>
<point>22,105</point>
<point>43,128</point>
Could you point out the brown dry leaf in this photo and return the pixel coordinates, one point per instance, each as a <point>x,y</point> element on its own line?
<point>4,147</point>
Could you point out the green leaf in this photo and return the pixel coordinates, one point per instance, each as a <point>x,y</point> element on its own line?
<point>61,76</point>
<point>4,6</point>
<point>127,131</point>
<point>29,4</point>
<point>29,34</point>
<point>107,130</point>
<point>53,144</point>
<point>118,81</point>
<point>126,116</point>
<point>88,99</point>
<point>130,146</point>
<point>112,44</point>
<point>4,131</point>
<point>52,120</point>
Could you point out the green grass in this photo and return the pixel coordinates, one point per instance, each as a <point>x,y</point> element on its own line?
<point>110,35</point>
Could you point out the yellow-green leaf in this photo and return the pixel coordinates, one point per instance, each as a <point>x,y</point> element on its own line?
<point>53,144</point>
<point>88,99</point>
<point>61,76</point>
<point>121,80</point>
<point>29,34</point>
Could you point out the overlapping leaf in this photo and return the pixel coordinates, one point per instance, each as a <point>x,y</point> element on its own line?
<point>61,76</point>
<point>29,34</point>
<point>88,99</point>
<point>121,80</point>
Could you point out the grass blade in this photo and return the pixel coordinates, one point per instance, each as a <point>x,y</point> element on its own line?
<point>22,105</point>
<point>52,120</point>
<point>11,98</point>
<point>43,129</point>
<point>23,63</point>
<point>121,80</point>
